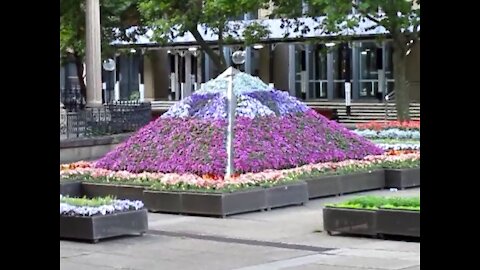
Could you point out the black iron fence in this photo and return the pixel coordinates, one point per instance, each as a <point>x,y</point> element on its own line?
<point>72,99</point>
<point>112,118</point>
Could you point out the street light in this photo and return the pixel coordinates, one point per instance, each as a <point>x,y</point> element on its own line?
<point>110,65</point>
<point>238,58</point>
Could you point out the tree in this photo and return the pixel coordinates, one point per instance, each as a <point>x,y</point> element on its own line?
<point>113,15</point>
<point>401,18</point>
<point>173,18</point>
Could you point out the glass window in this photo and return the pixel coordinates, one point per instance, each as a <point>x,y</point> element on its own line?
<point>389,67</point>
<point>319,81</point>
<point>341,61</point>
<point>369,60</point>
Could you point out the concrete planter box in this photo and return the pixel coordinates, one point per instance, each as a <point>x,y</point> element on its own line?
<point>71,188</point>
<point>75,149</point>
<point>121,192</point>
<point>223,204</point>
<point>398,222</point>
<point>287,194</point>
<point>162,201</point>
<point>402,178</point>
<point>323,186</point>
<point>96,228</point>
<point>350,221</point>
<point>350,183</point>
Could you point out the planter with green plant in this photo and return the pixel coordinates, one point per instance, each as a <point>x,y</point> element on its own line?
<point>403,174</point>
<point>374,216</point>
<point>130,191</point>
<point>72,188</point>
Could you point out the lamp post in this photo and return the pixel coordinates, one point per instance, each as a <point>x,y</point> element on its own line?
<point>238,58</point>
<point>109,65</point>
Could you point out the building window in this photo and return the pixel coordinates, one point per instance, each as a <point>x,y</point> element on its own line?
<point>319,82</point>
<point>341,62</point>
<point>372,58</point>
<point>389,67</point>
<point>368,67</point>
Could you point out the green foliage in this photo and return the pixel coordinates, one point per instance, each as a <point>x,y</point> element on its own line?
<point>377,202</point>
<point>401,164</point>
<point>338,13</point>
<point>173,18</point>
<point>72,26</point>
<point>135,95</point>
<point>401,18</point>
<point>94,202</point>
<point>185,187</point>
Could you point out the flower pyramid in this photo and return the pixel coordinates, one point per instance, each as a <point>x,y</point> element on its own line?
<point>273,130</point>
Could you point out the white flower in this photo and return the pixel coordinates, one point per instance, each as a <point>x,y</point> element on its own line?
<point>116,206</point>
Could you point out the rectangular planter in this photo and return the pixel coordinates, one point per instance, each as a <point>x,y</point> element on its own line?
<point>398,222</point>
<point>71,188</point>
<point>402,178</point>
<point>121,192</point>
<point>100,227</point>
<point>323,186</point>
<point>287,194</point>
<point>362,181</point>
<point>162,201</point>
<point>223,204</point>
<point>351,221</point>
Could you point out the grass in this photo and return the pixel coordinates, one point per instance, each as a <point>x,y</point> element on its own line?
<point>377,202</point>
<point>94,202</point>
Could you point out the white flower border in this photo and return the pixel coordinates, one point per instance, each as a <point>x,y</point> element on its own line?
<point>117,206</point>
<point>399,146</point>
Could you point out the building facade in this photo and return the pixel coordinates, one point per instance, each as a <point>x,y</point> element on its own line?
<point>314,69</point>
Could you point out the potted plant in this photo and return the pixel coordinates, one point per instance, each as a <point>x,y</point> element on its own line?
<point>99,218</point>
<point>374,216</point>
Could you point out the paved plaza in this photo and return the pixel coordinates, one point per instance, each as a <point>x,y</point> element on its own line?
<point>287,238</point>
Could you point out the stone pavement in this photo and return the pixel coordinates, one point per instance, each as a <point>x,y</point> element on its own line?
<point>288,238</point>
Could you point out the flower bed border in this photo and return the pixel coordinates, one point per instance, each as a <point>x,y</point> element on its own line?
<point>350,183</point>
<point>71,188</point>
<point>350,221</point>
<point>398,222</point>
<point>287,194</point>
<point>129,192</point>
<point>224,204</point>
<point>402,178</point>
<point>162,201</point>
<point>323,186</point>
<point>371,222</point>
<point>99,227</point>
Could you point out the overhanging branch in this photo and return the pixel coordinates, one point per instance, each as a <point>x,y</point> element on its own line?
<point>370,17</point>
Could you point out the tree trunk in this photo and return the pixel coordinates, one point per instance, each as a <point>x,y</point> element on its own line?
<point>81,82</point>
<point>402,91</point>
<point>217,58</point>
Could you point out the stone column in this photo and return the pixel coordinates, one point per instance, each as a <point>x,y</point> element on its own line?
<point>291,70</point>
<point>188,75</point>
<point>148,78</point>
<point>93,54</point>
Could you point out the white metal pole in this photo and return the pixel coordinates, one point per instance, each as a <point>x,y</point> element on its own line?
<point>232,103</point>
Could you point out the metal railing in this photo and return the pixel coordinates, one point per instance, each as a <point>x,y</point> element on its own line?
<point>72,99</point>
<point>113,118</point>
